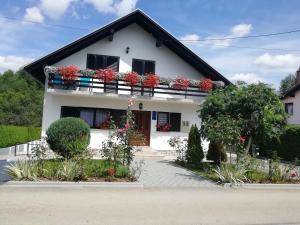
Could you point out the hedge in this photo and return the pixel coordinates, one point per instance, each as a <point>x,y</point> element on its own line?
<point>288,145</point>
<point>13,135</point>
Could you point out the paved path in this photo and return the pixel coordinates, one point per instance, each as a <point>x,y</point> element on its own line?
<point>150,206</point>
<point>164,173</point>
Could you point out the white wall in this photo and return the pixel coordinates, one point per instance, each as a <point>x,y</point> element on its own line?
<point>142,46</point>
<point>158,140</point>
<point>295,118</point>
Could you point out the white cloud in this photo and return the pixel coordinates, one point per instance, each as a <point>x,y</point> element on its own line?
<point>12,62</point>
<point>239,30</point>
<point>246,77</point>
<point>288,61</point>
<point>120,8</point>
<point>34,14</point>
<point>55,9</point>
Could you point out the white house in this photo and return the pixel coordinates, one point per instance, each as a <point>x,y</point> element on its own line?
<point>132,43</point>
<point>291,101</point>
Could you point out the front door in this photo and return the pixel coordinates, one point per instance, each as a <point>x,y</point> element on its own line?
<point>143,124</point>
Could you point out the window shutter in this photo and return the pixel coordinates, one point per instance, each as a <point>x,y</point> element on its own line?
<point>91,62</point>
<point>175,121</point>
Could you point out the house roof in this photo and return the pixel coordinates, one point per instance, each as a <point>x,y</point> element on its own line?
<point>36,68</point>
<point>291,92</point>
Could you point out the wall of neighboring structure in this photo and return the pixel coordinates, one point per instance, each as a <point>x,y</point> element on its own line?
<point>142,46</point>
<point>158,140</point>
<point>295,118</point>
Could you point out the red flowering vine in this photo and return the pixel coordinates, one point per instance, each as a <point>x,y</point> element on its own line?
<point>132,78</point>
<point>107,75</point>
<point>181,83</point>
<point>68,72</point>
<point>151,80</point>
<point>206,85</point>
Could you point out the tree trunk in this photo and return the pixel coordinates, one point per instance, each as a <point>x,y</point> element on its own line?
<point>249,144</point>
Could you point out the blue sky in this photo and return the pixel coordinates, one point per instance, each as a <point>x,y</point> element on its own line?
<point>22,41</point>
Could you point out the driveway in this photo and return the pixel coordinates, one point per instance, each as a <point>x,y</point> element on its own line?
<point>165,173</point>
<point>149,206</point>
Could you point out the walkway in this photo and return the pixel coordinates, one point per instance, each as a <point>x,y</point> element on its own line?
<point>165,173</point>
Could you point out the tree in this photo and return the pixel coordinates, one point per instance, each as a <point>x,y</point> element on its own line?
<point>287,83</point>
<point>216,152</point>
<point>252,111</point>
<point>194,153</point>
<point>21,99</point>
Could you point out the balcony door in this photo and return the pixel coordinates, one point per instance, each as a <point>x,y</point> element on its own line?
<point>143,125</point>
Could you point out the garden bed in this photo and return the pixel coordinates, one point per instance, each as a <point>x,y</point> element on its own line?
<point>207,170</point>
<point>88,170</point>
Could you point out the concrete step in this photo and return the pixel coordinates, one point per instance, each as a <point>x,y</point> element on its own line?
<point>147,152</point>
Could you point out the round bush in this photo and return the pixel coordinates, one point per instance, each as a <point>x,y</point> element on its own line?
<point>68,136</point>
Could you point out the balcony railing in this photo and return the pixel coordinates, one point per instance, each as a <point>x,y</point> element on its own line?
<point>91,84</point>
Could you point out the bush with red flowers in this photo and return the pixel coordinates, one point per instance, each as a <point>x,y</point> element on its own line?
<point>68,72</point>
<point>181,83</point>
<point>111,172</point>
<point>132,78</point>
<point>107,75</point>
<point>163,127</point>
<point>151,80</point>
<point>206,85</point>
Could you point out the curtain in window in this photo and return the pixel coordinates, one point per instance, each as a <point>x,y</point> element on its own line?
<point>88,116</point>
<point>162,118</point>
<point>102,118</point>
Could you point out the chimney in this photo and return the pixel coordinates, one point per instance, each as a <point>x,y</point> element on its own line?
<point>298,76</point>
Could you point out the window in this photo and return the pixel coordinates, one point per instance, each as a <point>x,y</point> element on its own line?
<point>96,118</point>
<point>143,67</point>
<point>289,108</point>
<point>174,119</point>
<point>96,62</point>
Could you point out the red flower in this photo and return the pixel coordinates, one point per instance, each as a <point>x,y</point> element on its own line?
<point>151,80</point>
<point>68,72</point>
<point>164,127</point>
<point>181,83</point>
<point>107,75</point>
<point>111,172</point>
<point>242,140</point>
<point>294,173</point>
<point>132,78</point>
<point>206,85</point>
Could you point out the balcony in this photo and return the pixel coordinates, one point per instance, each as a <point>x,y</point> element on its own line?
<point>87,84</point>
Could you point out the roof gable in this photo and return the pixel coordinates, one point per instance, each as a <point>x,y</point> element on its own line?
<point>163,37</point>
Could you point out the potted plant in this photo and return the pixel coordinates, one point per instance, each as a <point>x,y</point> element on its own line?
<point>132,78</point>
<point>69,74</point>
<point>206,85</point>
<point>151,80</point>
<point>163,127</point>
<point>107,75</point>
<point>181,83</point>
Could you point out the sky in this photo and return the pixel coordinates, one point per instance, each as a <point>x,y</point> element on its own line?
<point>30,29</point>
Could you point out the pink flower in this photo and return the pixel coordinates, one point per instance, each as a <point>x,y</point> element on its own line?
<point>242,139</point>
<point>126,126</point>
<point>120,130</point>
<point>294,173</point>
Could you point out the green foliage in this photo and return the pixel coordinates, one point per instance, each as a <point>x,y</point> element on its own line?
<point>13,135</point>
<point>231,174</point>
<point>70,170</point>
<point>68,136</point>
<point>253,111</point>
<point>22,170</point>
<point>287,83</point>
<point>287,146</point>
<point>194,153</point>
<point>21,99</point>
<point>216,152</point>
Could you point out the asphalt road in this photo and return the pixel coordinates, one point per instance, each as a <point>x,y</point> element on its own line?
<point>196,206</point>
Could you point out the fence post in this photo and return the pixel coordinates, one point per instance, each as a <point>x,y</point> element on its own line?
<point>15,150</point>
<point>27,148</point>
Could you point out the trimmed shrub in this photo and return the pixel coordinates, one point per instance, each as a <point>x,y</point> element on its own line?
<point>13,135</point>
<point>68,136</point>
<point>216,152</point>
<point>288,145</point>
<point>194,153</point>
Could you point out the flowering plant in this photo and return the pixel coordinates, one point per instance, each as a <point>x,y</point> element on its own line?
<point>68,72</point>
<point>151,80</point>
<point>206,85</point>
<point>181,83</point>
<point>294,174</point>
<point>111,172</point>
<point>132,78</point>
<point>163,127</point>
<point>242,139</point>
<point>107,75</point>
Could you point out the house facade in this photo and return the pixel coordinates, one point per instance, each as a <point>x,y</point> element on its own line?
<point>132,43</point>
<point>291,102</point>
